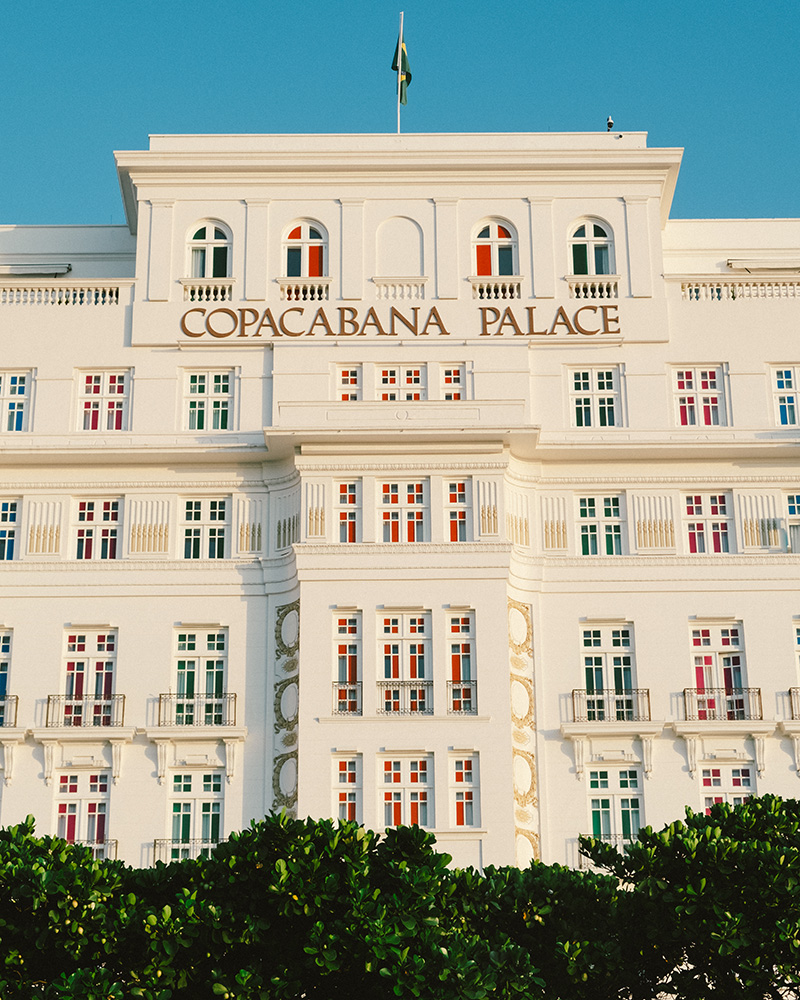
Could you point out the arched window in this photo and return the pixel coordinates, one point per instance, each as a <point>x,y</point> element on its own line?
<point>496,250</point>
<point>592,246</point>
<point>306,251</point>
<point>210,251</point>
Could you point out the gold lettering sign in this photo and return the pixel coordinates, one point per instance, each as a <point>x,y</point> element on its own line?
<point>302,321</point>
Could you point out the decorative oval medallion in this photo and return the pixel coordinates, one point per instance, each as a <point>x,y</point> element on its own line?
<point>290,628</point>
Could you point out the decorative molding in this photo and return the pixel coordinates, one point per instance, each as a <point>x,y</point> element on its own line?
<point>285,743</point>
<point>523,730</point>
<point>352,466</point>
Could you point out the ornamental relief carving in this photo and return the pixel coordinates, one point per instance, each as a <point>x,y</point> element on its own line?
<point>523,726</point>
<point>286,696</point>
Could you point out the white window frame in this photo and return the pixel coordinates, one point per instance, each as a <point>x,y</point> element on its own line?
<point>97,528</point>
<point>304,243</point>
<point>104,400</point>
<point>200,796</point>
<point>719,670</point>
<point>90,674</point>
<point>458,509</point>
<point>700,396</point>
<point>615,797</point>
<point>462,693</point>
<point>464,781</point>
<point>601,525</point>
<point>349,383</point>
<point>347,662</point>
<point>206,527</point>
<point>453,382</point>
<point>595,395</point>
<point>401,497</point>
<point>348,787</point>
<point>349,523</point>
<point>593,242</point>
<point>502,235</point>
<point>210,401</point>
<point>609,671</point>
<point>785,384</point>
<point>793,522</point>
<point>89,793</point>
<point>709,523</point>
<point>401,383</point>
<point>6,652</point>
<point>10,520</point>
<point>731,783</point>
<point>16,386</point>
<point>405,663</point>
<point>201,676</point>
<point>201,262</point>
<point>406,790</point>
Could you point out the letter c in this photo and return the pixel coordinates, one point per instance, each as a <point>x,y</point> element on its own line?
<point>185,329</point>
<point>577,324</point>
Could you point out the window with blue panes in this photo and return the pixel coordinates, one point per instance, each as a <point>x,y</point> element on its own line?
<point>14,400</point>
<point>793,522</point>
<point>6,715</point>
<point>785,381</point>
<point>8,528</point>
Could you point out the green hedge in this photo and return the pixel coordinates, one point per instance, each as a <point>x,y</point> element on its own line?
<point>288,909</point>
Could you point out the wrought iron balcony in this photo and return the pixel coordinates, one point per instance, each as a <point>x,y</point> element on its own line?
<point>181,850</point>
<point>346,698</point>
<point>709,704</point>
<point>405,697</point>
<point>197,710</point>
<point>610,705</point>
<point>462,698</point>
<point>8,711</point>
<point>89,710</point>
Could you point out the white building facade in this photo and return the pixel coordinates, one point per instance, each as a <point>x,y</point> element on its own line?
<point>434,479</point>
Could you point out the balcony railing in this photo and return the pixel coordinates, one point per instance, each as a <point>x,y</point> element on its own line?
<point>8,711</point>
<point>400,288</point>
<point>181,850</point>
<point>59,295</point>
<point>207,290</point>
<point>405,697</point>
<point>496,288</point>
<point>102,850</point>
<point>197,710</point>
<point>711,704</point>
<point>733,289</point>
<point>86,711</point>
<point>462,698</point>
<point>304,289</point>
<point>346,698</point>
<point>632,705</point>
<point>794,695</point>
<point>606,287</point>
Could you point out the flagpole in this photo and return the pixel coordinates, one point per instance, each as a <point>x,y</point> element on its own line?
<point>399,68</point>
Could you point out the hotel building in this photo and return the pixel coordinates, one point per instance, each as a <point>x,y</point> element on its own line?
<point>437,479</point>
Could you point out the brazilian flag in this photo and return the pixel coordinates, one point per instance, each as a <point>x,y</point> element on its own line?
<point>405,69</point>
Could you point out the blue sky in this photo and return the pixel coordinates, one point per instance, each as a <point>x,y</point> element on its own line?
<point>81,79</point>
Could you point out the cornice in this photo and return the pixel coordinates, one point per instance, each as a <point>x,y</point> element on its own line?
<point>643,560</point>
<point>352,466</point>
<point>544,482</point>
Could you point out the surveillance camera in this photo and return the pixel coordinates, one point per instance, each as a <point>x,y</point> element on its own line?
<point>610,123</point>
